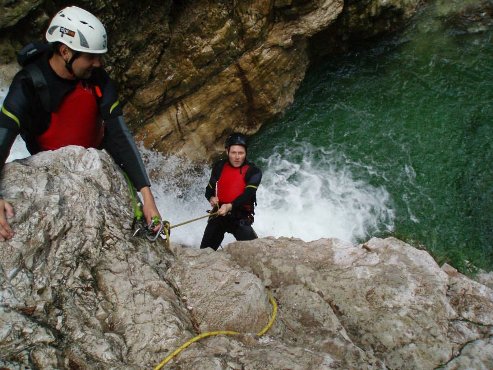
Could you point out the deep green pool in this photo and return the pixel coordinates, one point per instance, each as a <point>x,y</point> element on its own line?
<point>410,116</point>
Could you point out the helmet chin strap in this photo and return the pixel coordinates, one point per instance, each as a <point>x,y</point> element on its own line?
<point>68,64</point>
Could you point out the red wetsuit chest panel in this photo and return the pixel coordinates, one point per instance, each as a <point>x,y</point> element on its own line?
<point>76,122</point>
<point>231,183</point>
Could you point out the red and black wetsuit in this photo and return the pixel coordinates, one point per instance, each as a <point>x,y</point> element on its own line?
<point>238,186</point>
<point>79,112</point>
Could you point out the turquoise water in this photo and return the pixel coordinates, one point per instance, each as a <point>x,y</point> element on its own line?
<point>409,116</point>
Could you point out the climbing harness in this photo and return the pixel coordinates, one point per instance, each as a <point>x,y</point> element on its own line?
<point>222,332</point>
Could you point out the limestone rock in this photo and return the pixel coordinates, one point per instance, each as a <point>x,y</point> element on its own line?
<point>70,276</point>
<point>392,300</point>
<point>485,278</point>
<point>219,287</point>
<point>78,291</point>
<point>13,11</point>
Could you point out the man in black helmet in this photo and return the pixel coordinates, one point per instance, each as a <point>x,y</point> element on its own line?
<point>232,191</point>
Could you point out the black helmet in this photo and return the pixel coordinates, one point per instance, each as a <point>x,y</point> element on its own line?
<point>236,139</point>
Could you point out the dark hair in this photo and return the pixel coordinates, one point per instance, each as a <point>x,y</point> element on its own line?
<point>55,47</point>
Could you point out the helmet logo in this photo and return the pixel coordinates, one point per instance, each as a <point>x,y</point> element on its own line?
<point>66,31</point>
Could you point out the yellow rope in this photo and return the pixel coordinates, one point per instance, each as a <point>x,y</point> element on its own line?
<point>212,214</point>
<point>272,317</point>
<point>223,332</point>
<point>167,227</point>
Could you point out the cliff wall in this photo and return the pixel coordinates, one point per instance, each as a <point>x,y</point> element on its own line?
<point>190,72</point>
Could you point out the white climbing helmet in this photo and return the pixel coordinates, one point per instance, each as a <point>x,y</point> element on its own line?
<point>79,30</point>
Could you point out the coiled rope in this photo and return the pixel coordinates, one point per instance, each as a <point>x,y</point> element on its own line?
<point>221,332</point>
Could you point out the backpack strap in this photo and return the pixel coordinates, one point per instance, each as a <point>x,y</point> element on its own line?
<point>40,84</point>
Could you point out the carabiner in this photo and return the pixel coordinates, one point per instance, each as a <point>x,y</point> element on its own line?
<point>151,234</point>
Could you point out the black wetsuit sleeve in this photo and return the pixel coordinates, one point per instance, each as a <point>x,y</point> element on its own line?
<point>118,141</point>
<point>14,114</point>
<point>252,178</point>
<point>109,105</point>
<point>210,190</point>
<point>7,136</point>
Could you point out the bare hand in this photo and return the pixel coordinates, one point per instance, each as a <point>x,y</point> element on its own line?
<point>214,201</point>
<point>149,207</point>
<point>6,211</point>
<point>225,209</point>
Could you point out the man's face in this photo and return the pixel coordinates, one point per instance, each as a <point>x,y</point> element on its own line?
<point>85,63</point>
<point>236,155</point>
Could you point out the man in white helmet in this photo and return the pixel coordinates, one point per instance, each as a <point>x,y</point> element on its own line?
<point>64,97</point>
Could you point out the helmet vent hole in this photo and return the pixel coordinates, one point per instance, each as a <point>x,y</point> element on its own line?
<point>87,24</point>
<point>83,40</point>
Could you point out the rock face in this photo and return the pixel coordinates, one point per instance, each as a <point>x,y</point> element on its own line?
<point>254,64</point>
<point>77,291</point>
<point>191,72</point>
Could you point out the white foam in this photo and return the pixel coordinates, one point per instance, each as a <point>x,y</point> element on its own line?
<point>19,149</point>
<point>318,198</point>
